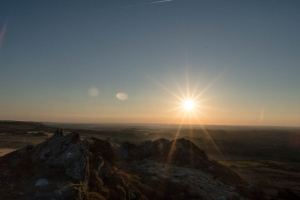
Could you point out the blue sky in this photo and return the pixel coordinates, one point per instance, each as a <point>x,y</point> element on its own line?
<point>54,52</point>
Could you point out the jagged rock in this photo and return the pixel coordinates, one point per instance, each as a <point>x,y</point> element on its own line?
<point>181,162</point>
<point>180,151</point>
<point>59,161</point>
<point>67,167</point>
<point>64,152</point>
<point>100,168</point>
<point>198,183</point>
<point>107,171</point>
<point>42,182</point>
<point>125,149</point>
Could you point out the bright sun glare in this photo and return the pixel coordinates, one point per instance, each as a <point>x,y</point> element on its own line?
<point>189,102</point>
<point>190,110</point>
<point>189,105</point>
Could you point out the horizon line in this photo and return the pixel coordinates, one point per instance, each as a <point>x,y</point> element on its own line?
<point>147,123</point>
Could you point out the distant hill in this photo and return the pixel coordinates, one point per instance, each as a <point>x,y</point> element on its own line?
<point>18,126</point>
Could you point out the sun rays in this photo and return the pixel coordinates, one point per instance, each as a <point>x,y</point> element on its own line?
<point>189,103</point>
<point>190,107</point>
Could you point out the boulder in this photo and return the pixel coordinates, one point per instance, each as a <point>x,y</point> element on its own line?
<point>67,152</point>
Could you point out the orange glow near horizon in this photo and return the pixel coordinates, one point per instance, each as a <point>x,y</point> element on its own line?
<point>189,109</point>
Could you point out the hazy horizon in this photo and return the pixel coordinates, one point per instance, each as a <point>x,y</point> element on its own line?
<point>132,125</point>
<point>139,61</point>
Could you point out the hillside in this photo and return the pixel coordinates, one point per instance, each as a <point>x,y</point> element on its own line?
<point>68,167</point>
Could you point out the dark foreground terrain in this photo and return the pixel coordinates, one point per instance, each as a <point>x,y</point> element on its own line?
<point>230,163</point>
<point>68,167</point>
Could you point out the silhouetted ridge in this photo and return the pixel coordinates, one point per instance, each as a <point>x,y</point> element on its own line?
<point>180,151</point>
<point>67,167</point>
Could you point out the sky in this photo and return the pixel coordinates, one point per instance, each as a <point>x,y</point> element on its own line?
<point>137,61</point>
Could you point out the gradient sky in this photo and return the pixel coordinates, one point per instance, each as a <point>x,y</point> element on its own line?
<point>65,61</point>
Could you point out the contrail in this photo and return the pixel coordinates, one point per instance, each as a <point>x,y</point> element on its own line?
<point>141,4</point>
<point>156,2</point>
<point>2,33</point>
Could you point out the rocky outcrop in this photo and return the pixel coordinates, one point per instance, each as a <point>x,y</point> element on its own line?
<point>197,183</point>
<point>180,151</point>
<point>67,153</point>
<point>181,163</point>
<point>67,167</point>
<point>55,169</point>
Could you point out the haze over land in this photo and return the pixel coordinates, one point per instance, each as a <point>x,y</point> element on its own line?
<point>138,61</point>
<point>234,162</point>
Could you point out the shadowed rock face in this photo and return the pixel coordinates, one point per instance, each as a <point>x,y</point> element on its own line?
<point>180,151</point>
<point>67,167</point>
<point>57,168</point>
<point>68,153</point>
<point>181,162</point>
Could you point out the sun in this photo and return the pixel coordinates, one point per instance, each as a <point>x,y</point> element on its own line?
<point>189,105</point>
<point>189,102</point>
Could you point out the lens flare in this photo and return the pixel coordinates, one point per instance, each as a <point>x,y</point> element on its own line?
<point>122,96</point>
<point>93,92</point>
